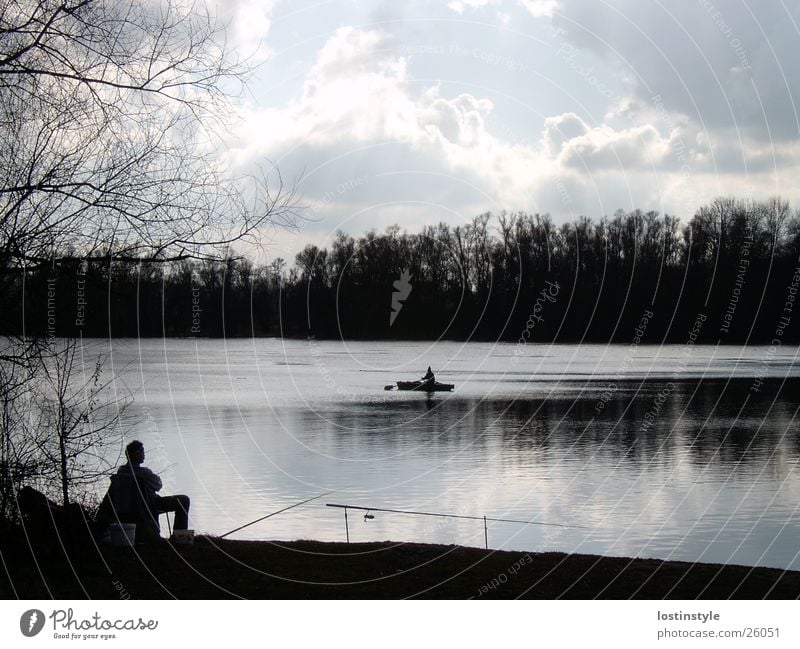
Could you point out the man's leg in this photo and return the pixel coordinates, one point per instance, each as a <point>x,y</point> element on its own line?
<point>147,529</point>
<point>179,505</point>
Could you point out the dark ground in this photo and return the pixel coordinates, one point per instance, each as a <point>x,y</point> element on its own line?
<point>214,568</point>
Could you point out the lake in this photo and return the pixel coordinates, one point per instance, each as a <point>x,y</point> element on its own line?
<point>675,452</point>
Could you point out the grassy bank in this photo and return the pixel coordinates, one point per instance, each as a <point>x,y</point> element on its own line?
<point>214,568</point>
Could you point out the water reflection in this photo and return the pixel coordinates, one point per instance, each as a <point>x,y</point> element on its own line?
<point>712,424</point>
<point>705,478</point>
<point>668,468</point>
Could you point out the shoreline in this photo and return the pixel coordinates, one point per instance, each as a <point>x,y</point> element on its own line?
<point>599,342</point>
<point>214,568</point>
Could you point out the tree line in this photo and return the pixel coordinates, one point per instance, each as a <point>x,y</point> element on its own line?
<point>509,276</point>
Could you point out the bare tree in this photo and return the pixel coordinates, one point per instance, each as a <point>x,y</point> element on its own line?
<point>80,423</point>
<point>112,117</point>
<point>19,457</point>
<point>110,113</point>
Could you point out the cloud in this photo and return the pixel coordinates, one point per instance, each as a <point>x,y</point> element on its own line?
<point>561,129</point>
<point>575,145</point>
<point>249,24</point>
<point>358,94</point>
<point>729,67</point>
<point>352,92</point>
<point>459,6</point>
<point>534,7</point>
<point>460,120</point>
<point>540,7</point>
<point>603,148</point>
<point>426,151</point>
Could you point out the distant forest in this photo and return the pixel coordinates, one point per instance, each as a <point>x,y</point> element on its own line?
<point>729,274</point>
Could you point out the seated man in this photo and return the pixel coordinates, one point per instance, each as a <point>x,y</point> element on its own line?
<point>132,498</point>
<point>429,377</point>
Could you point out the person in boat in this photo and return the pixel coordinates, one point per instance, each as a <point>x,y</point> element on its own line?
<point>429,377</point>
<point>133,498</point>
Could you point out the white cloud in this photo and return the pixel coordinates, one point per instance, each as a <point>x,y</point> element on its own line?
<point>603,148</point>
<point>360,114</point>
<point>540,7</point>
<point>459,6</point>
<point>459,121</point>
<point>560,129</point>
<point>534,7</point>
<point>575,145</point>
<point>358,92</point>
<point>249,24</point>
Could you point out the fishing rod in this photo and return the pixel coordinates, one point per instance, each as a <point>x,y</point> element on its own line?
<point>473,518</point>
<point>263,518</point>
<point>485,519</point>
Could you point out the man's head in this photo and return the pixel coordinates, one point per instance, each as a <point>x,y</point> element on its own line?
<point>135,452</point>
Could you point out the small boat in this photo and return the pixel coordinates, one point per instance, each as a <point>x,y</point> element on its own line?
<point>423,386</point>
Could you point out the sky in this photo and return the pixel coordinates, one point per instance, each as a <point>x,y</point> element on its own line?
<point>412,113</point>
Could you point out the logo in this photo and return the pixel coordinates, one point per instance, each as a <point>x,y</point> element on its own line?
<point>402,289</point>
<point>31,622</point>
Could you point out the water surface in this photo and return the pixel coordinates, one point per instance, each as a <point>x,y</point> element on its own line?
<point>651,451</point>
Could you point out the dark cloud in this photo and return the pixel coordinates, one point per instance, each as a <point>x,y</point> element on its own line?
<point>728,67</point>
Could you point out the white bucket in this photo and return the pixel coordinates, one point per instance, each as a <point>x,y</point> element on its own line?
<point>184,537</point>
<point>122,535</point>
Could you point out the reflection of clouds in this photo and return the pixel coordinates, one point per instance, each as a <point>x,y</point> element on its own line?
<point>533,451</point>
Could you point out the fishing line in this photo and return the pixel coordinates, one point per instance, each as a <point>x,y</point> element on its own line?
<point>258,520</point>
<point>473,518</point>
